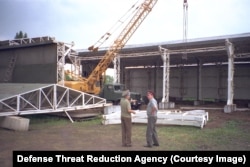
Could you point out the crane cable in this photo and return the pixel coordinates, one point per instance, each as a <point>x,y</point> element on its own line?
<point>115,27</point>
<point>185,27</point>
<point>184,54</point>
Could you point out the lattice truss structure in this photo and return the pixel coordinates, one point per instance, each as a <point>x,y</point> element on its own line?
<point>65,51</point>
<point>48,99</point>
<point>24,41</point>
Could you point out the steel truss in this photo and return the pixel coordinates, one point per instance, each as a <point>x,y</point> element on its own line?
<point>49,99</point>
<point>157,53</point>
<point>24,41</point>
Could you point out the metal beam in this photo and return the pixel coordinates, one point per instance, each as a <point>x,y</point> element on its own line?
<point>230,87</point>
<point>62,51</point>
<point>117,69</point>
<point>166,73</point>
<point>156,53</point>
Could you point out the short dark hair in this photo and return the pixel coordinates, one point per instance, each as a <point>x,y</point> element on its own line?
<point>151,92</point>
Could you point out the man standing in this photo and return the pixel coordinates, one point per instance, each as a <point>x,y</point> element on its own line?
<point>152,109</point>
<point>126,122</point>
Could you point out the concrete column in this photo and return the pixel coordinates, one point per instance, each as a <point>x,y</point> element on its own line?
<point>230,107</point>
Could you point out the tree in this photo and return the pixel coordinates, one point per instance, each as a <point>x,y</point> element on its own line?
<point>20,34</point>
<point>108,79</point>
<point>25,35</point>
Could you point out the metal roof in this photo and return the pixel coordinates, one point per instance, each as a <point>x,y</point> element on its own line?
<point>26,42</point>
<point>208,50</point>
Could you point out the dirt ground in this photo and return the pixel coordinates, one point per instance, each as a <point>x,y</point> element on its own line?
<point>71,136</point>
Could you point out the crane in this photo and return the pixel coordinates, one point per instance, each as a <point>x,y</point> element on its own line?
<point>89,84</point>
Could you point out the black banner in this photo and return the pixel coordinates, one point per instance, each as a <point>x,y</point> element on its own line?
<point>124,158</point>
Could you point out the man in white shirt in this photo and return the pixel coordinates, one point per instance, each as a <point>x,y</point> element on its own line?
<point>152,109</point>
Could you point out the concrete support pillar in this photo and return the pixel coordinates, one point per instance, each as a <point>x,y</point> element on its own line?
<point>230,107</point>
<point>117,69</point>
<point>166,73</point>
<point>15,123</point>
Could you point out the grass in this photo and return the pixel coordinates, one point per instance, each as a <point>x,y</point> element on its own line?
<point>190,138</point>
<point>43,120</point>
<point>229,136</point>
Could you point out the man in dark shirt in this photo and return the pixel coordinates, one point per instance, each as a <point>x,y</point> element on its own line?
<point>126,120</point>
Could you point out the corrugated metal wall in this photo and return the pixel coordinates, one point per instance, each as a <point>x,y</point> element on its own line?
<point>213,82</point>
<point>36,64</point>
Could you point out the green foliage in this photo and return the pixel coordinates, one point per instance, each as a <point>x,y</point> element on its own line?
<point>108,79</point>
<point>20,34</point>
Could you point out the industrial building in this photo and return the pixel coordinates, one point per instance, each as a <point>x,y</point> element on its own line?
<point>208,69</point>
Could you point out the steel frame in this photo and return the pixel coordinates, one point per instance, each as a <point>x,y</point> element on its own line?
<point>24,41</point>
<point>230,83</point>
<point>117,68</point>
<point>156,53</point>
<point>49,99</point>
<point>166,72</point>
<point>63,51</point>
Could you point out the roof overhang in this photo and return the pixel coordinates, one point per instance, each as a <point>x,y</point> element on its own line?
<point>206,50</point>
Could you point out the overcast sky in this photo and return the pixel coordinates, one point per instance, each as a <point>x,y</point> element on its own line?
<point>85,21</point>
